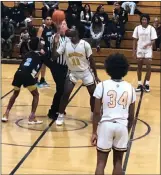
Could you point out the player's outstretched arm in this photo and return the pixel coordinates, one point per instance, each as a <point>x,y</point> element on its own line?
<point>131,116</point>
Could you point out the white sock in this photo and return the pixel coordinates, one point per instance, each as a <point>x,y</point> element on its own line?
<point>61,115</point>
<point>147,82</point>
<point>139,82</point>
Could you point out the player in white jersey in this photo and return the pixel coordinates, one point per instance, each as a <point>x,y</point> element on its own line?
<point>80,62</point>
<point>117,98</point>
<point>146,35</point>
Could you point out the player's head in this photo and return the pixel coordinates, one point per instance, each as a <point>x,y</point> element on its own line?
<point>144,19</point>
<point>75,33</point>
<point>116,66</point>
<point>48,20</point>
<point>34,43</point>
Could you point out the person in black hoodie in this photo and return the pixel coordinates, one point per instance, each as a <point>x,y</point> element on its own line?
<point>115,30</point>
<point>103,15</point>
<point>120,13</point>
<point>17,15</point>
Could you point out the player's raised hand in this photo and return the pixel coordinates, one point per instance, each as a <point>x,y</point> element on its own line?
<point>56,38</point>
<point>94,139</point>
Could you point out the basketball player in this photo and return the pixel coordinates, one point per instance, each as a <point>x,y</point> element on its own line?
<point>80,62</point>
<point>59,72</point>
<point>45,32</point>
<point>146,35</point>
<point>110,129</point>
<point>25,75</point>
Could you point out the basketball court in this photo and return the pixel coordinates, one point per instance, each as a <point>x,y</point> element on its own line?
<point>67,149</point>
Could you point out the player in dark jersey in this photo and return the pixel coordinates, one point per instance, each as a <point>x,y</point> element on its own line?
<point>45,32</point>
<point>25,75</point>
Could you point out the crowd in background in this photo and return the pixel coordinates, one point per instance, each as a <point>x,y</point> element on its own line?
<point>96,26</point>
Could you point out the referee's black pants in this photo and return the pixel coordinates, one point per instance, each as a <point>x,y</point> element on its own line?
<point>59,73</point>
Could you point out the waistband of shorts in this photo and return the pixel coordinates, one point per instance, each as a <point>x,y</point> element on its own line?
<point>79,71</point>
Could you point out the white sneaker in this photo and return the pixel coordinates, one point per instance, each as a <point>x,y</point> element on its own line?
<point>60,120</point>
<point>4,119</point>
<point>35,122</point>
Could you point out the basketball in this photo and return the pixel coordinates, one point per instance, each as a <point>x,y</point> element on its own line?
<point>58,16</point>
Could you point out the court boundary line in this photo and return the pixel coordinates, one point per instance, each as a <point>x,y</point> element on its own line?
<point>7,93</point>
<point>132,132</point>
<point>39,138</point>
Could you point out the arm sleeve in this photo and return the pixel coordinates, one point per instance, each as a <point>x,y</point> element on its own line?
<point>88,49</point>
<point>98,91</point>
<point>133,95</point>
<point>153,33</point>
<point>135,33</point>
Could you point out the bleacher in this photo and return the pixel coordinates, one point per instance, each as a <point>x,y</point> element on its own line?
<point>152,8</point>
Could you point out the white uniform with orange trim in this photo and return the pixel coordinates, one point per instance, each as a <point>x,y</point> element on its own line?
<point>116,99</point>
<point>77,61</point>
<point>144,36</point>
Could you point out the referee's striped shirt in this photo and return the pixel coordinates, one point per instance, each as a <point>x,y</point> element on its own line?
<point>62,58</point>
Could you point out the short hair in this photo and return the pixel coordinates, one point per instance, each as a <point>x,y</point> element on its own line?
<point>34,43</point>
<point>145,16</point>
<point>116,66</point>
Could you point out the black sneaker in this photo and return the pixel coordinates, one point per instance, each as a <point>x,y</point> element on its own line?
<point>147,88</point>
<point>139,88</point>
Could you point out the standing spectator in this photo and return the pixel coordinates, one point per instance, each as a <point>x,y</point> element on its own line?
<point>17,15</point>
<point>157,27</point>
<point>86,18</point>
<point>28,7</point>
<point>97,30</point>
<point>49,7</point>
<point>102,14</point>
<point>115,30</point>
<point>120,13</point>
<point>146,35</point>
<point>7,34</point>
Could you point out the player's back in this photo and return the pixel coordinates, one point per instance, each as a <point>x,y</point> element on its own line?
<point>31,63</point>
<point>117,97</point>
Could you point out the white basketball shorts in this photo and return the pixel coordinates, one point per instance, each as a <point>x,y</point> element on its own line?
<point>86,76</point>
<point>144,53</point>
<point>112,135</point>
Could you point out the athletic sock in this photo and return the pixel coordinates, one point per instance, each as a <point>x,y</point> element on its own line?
<point>42,80</point>
<point>139,83</point>
<point>147,82</point>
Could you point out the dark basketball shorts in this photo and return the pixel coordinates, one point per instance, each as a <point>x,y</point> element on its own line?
<point>25,79</point>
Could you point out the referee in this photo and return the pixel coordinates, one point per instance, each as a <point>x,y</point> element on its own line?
<point>59,72</point>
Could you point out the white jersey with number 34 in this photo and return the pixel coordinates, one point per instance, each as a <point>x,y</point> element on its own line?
<point>116,99</point>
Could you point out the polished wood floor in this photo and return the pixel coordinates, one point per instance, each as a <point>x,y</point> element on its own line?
<point>67,149</point>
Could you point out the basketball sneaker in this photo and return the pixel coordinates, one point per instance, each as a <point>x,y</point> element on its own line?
<point>4,118</point>
<point>60,120</point>
<point>43,84</point>
<point>139,88</point>
<point>147,88</point>
<point>34,122</point>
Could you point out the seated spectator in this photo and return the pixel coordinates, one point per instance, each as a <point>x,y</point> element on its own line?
<point>7,36</point>
<point>23,44</point>
<point>77,3</point>
<point>49,7</point>
<point>120,13</point>
<point>5,11</point>
<point>86,18</point>
<point>28,7</point>
<point>102,14</point>
<point>73,16</point>
<point>17,15</point>
<point>129,6</point>
<point>157,27</point>
<point>31,29</point>
<point>115,31</point>
<point>96,30</point>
